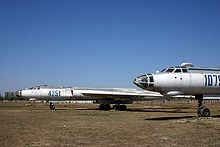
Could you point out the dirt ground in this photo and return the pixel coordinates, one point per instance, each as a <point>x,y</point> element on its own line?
<point>168,124</point>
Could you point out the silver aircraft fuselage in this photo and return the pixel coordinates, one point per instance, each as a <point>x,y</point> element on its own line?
<point>185,79</point>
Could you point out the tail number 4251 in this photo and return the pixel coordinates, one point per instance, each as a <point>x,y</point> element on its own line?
<point>54,93</point>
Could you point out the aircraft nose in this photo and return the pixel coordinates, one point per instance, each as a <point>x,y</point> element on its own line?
<point>18,93</point>
<point>136,82</point>
<point>141,81</point>
<point>144,81</point>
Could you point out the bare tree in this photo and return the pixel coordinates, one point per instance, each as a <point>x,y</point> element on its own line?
<point>1,98</point>
<point>9,96</point>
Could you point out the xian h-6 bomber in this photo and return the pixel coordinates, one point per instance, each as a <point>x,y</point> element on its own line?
<point>185,81</point>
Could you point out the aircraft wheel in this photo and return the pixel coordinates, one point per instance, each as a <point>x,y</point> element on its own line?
<point>52,107</point>
<point>101,106</point>
<point>122,107</point>
<point>116,107</point>
<point>104,107</point>
<point>205,112</point>
<point>107,107</point>
<point>199,111</point>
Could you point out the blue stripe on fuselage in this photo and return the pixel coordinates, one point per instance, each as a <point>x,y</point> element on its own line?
<point>203,69</point>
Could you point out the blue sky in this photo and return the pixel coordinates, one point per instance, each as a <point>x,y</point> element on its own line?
<point>103,43</point>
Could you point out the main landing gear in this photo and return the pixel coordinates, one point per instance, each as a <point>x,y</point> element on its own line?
<point>52,107</point>
<point>119,107</point>
<point>115,107</point>
<point>104,107</point>
<point>202,110</point>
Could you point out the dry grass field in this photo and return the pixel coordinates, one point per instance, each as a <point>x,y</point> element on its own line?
<point>22,124</point>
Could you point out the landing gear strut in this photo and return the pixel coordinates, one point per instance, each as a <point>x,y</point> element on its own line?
<point>52,107</point>
<point>202,110</point>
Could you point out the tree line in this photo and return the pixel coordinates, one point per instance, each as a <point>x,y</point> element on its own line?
<point>8,96</point>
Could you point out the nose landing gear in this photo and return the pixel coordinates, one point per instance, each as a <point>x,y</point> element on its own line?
<point>202,110</point>
<point>52,107</point>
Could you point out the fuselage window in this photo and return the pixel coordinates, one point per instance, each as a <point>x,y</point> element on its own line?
<point>184,70</point>
<point>177,70</point>
<point>170,70</point>
<point>144,79</point>
<point>151,85</point>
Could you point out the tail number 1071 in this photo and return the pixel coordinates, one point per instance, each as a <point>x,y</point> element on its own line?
<point>212,80</point>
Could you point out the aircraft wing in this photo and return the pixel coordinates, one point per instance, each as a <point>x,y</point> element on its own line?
<point>123,93</point>
<point>113,94</point>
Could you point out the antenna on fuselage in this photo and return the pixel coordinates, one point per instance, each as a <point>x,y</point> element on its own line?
<point>187,64</point>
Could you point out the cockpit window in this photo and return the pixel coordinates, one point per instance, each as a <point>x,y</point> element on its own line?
<point>184,70</point>
<point>164,70</point>
<point>169,70</point>
<point>35,88</point>
<point>177,70</point>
